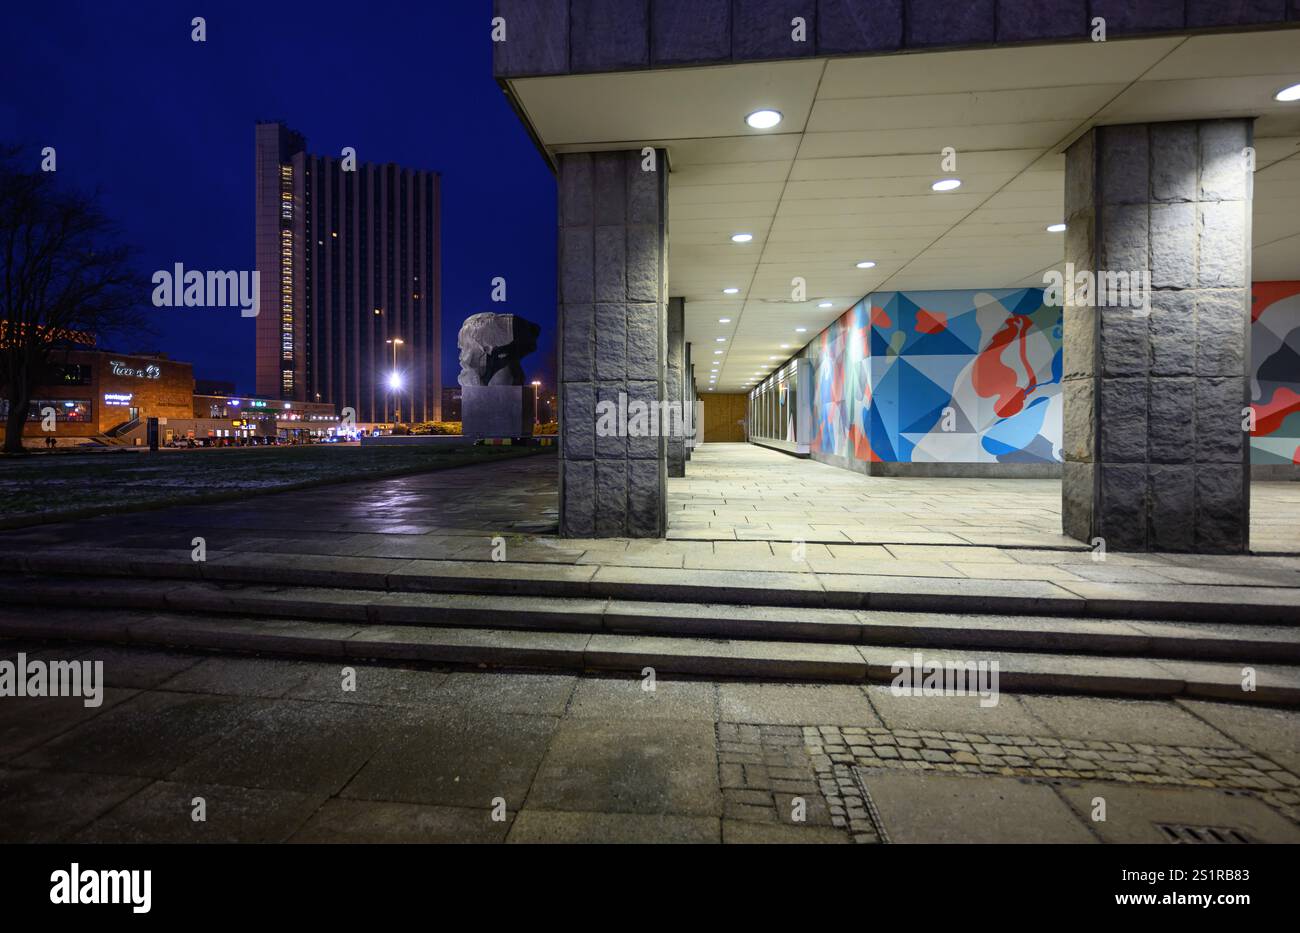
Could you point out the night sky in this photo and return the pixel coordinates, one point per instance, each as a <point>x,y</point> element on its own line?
<point>163,127</point>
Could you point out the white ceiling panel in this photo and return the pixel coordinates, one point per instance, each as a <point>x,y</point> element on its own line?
<point>847,174</point>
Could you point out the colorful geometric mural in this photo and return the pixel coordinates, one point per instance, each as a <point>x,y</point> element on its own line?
<point>1275,372</point>
<point>941,376</point>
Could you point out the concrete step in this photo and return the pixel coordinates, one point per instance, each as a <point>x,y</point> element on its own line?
<point>1248,605</point>
<point>1107,637</point>
<point>706,657</point>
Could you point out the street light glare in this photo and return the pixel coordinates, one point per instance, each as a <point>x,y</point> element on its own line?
<point>394,380</point>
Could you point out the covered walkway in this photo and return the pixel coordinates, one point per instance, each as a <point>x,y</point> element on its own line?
<point>748,493</point>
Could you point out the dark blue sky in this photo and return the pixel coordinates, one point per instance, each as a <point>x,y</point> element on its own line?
<point>163,126</point>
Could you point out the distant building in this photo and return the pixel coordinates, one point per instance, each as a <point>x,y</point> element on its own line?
<point>349,265</point>
<point>213,387</point>
<point>451,403</point>
<point>107,397</point>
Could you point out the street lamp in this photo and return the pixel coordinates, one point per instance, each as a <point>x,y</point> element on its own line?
<point>536,391</point>
<point>395,380</point>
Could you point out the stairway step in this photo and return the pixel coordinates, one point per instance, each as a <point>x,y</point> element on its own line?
<point>582,651</point>
<point>1247,605</point>
<point>1251,644</point>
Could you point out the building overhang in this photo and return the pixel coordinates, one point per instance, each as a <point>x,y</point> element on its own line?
<point>846,176</point>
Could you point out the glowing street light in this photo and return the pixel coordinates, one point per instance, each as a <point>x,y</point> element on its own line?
<point>395,380</point>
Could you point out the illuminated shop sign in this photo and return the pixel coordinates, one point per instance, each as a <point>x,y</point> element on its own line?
<point>121,369</point>
<point>117,398</point>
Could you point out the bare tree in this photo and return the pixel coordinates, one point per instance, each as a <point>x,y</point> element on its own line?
<point>63,275</point>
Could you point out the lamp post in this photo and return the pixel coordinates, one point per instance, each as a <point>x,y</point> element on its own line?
<point>395,381</point>
<point>536,389</point>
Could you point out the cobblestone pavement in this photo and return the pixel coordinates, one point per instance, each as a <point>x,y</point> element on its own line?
<point>281,750</point>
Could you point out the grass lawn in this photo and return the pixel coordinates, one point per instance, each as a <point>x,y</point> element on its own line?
<point>41,488</point>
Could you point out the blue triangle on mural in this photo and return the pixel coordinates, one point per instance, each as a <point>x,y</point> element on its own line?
<point>940,343</point>
<point>923,401</point>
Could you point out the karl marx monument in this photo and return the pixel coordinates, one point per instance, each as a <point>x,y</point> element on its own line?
<point>494,402</point>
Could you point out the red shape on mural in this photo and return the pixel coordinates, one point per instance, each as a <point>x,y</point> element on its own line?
<point>1263,294</point>
<point>1270,415</point>
<point>880,318</point>
<point>931,322</point>
<point>992,377</point>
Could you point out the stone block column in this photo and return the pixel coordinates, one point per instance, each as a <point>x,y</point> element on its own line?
<point>612,335</point>
<point>1156,457</point>
<point>688,396</point>
<point>676,382</point>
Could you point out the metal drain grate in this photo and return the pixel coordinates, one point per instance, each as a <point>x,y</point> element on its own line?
<point>1182,834</point>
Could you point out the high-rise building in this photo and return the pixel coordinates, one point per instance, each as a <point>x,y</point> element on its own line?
<point>350,281</point>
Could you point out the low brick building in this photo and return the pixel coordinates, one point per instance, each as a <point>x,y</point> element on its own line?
<point>101,392</point>
<point>106,396</point>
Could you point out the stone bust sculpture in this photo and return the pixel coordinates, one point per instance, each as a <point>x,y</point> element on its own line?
<point>491,346</point>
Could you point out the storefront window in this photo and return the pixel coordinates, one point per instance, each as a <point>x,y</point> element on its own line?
<point>71,412</point>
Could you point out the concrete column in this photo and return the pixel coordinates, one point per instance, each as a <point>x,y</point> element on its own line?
<point>676,382</point>
<point>688,394</point>
<point>1155,453</point>
<point>612,335</point>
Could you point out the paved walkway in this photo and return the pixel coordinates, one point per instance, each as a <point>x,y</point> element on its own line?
<point>466,515</point>
<point>753,493</point>
<point>281,750</point>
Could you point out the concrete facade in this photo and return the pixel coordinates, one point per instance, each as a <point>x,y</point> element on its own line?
<point>551,37</point>
<point>1155,452</point>
<point>612,326</point>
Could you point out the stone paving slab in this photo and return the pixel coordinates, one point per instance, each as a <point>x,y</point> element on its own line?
<point>43,806</point>
<point>1011,716</point>
<point>794,704</point>
<point>162,813</point>
<point>1132,813</point>
<point>148,735</point>
<point>576,827</point>
<point>370,821</point>
<point>1132,721</point>
<point>937,808</point>
<point>456,760</point>
<point>624,698</point>
<point>630,766</point>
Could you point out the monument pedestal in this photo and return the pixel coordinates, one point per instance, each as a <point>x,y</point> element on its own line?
<point>496,411</point>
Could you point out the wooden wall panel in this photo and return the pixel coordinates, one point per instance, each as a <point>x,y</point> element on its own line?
<point>723,417</point>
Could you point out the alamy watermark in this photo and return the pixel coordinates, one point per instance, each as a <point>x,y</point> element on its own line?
<point>25,677</point>
<point>1101,289</point>
<point>932,678</point>
<point>182,288</point>
<point>648,418</point>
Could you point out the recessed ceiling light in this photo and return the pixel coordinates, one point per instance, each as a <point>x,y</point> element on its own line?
<point>825,304</point>
<point>717,352</point>
<point>763,119</point>
<point>866,264</point>
<point>741,237</point>
<point>800,330</point>
<point>946,184</point>
<point>1288,94</point>
<point>731,291</point>
<point>774,357</point>
<point>785,346</point>
<point>1056,228</point>
<point>720,339</point>
<point>724,320</point>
